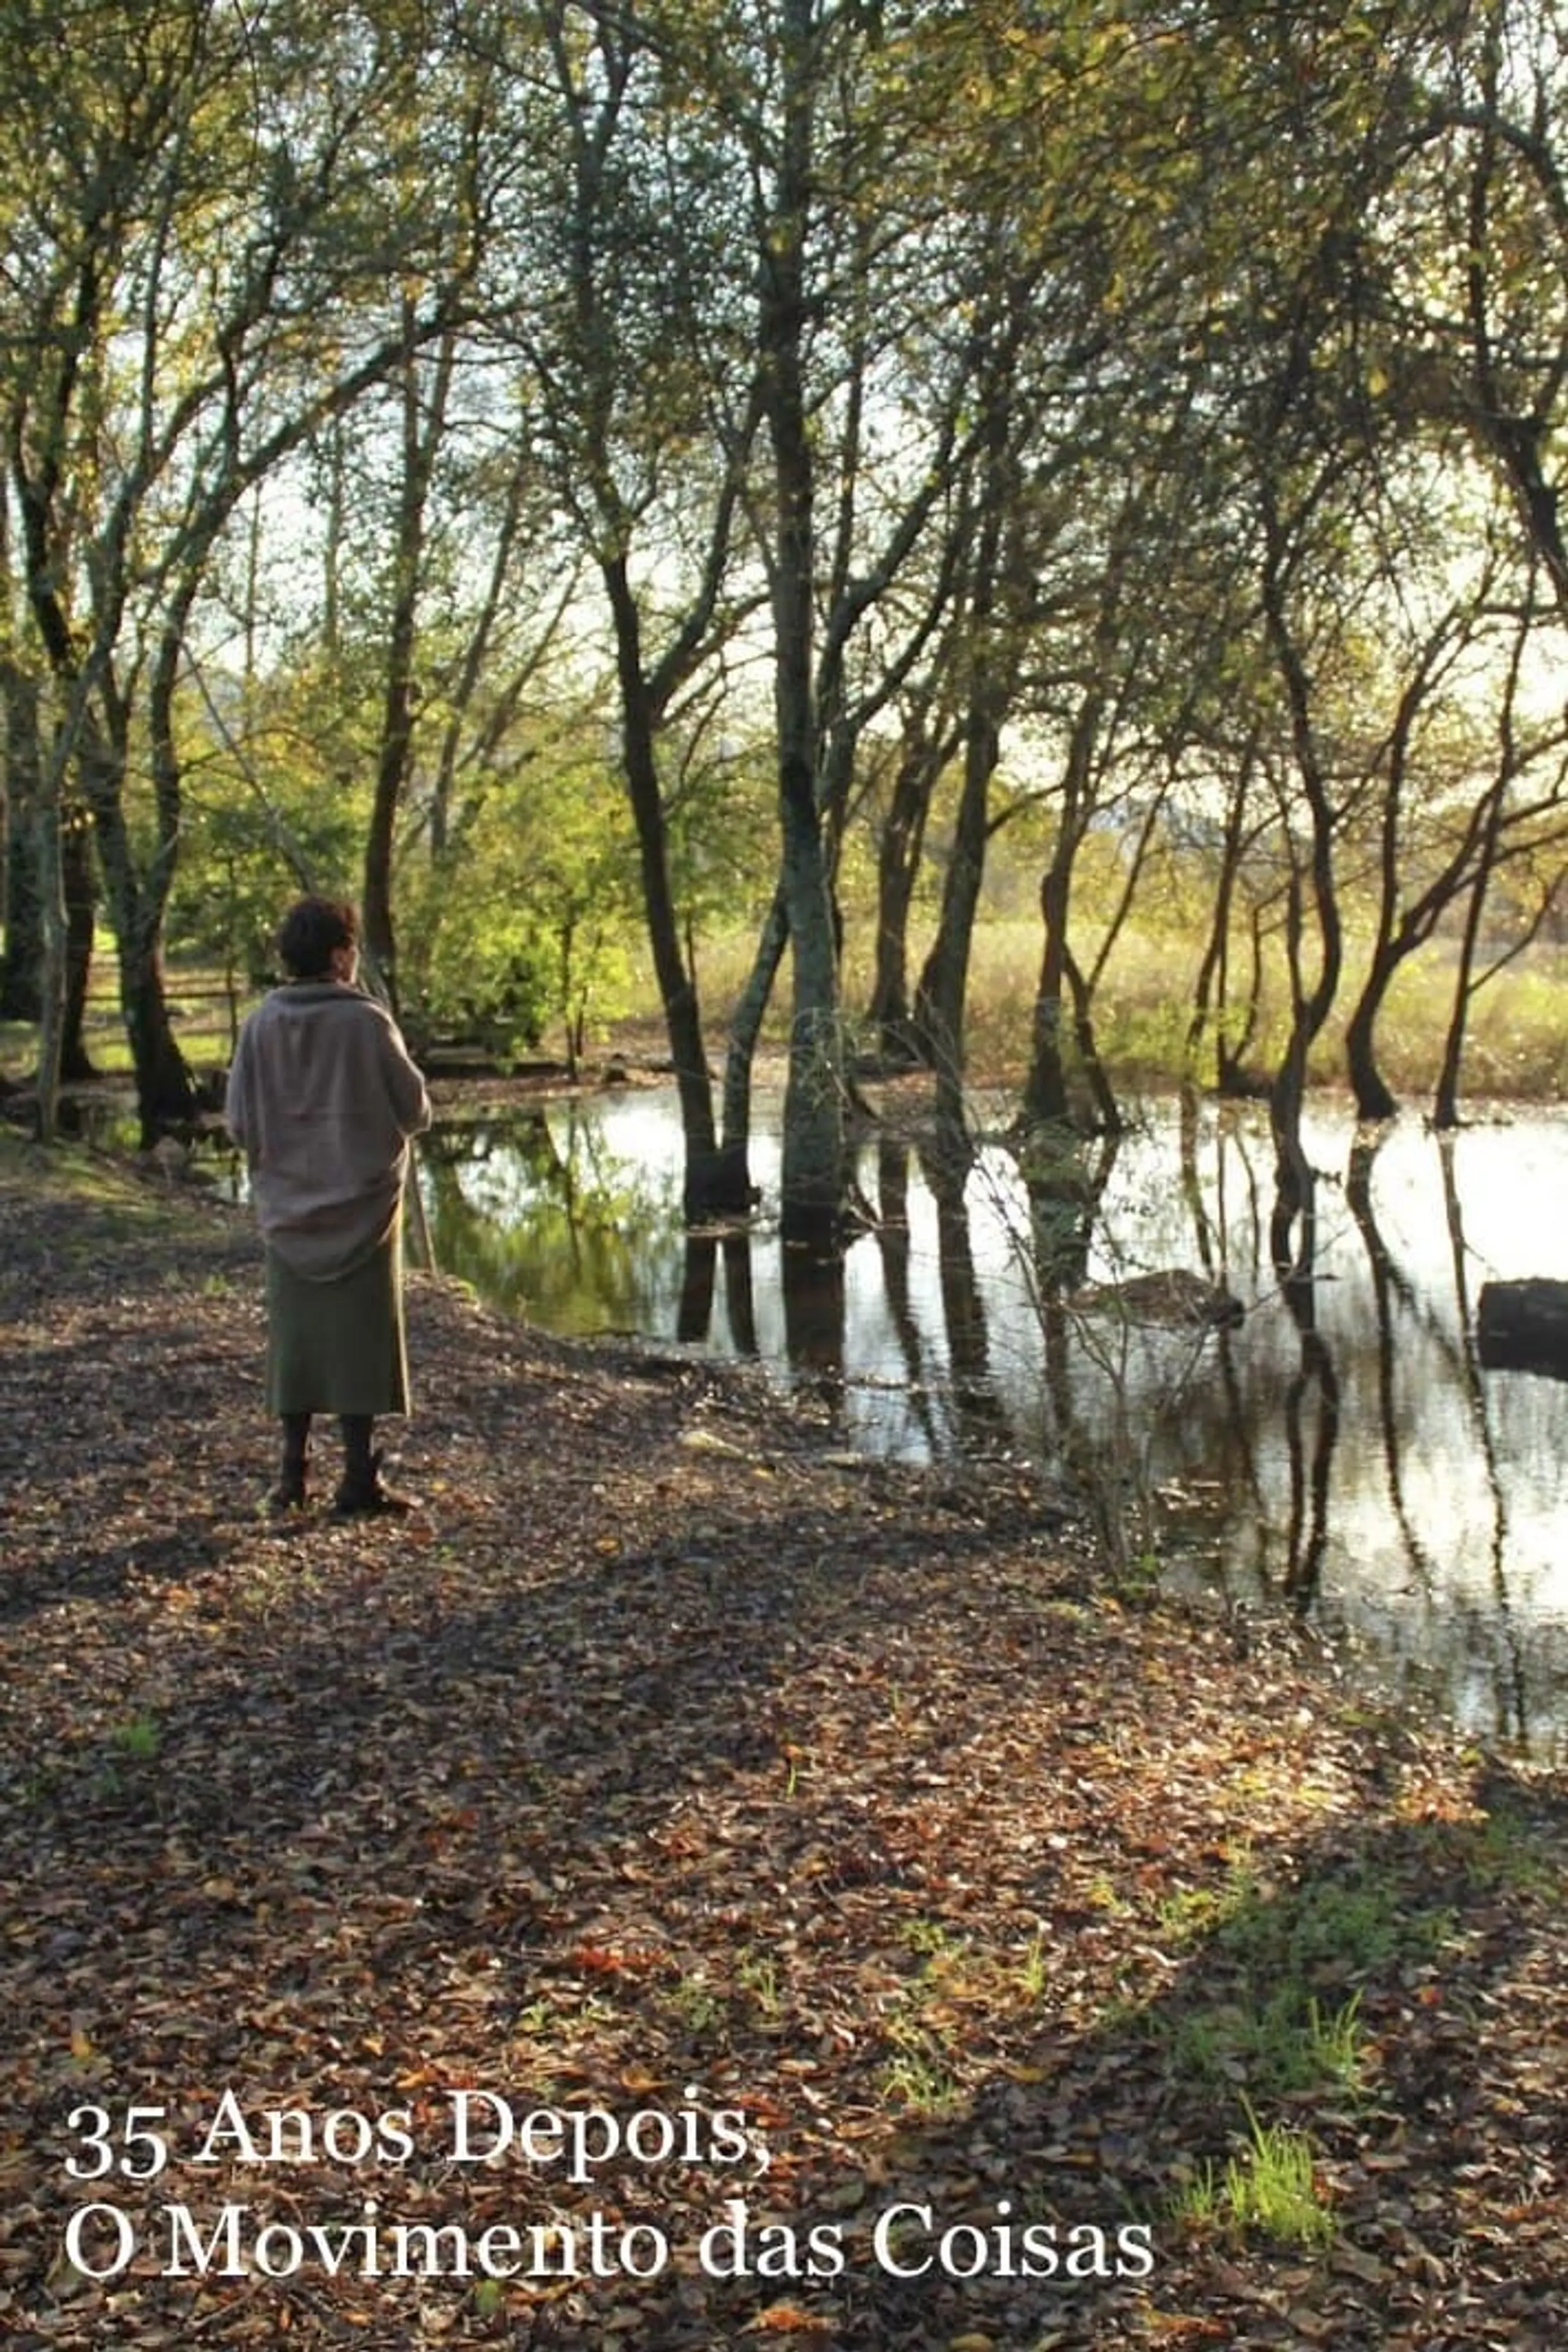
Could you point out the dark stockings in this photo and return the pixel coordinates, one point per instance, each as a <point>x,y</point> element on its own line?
<point>359,1464</point>
<point>362,1488</point>
<point>359,1467</point>
<point>289,1493</point>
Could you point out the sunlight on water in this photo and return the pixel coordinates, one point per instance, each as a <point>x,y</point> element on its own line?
<point>1342,1453</point>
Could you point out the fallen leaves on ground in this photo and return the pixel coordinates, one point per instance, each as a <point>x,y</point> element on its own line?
<point>769,1887</point>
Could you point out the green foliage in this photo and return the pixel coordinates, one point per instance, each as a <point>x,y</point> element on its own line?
<point>524,912</point>
<point>1269,2189</point>
<point>260,458</point>
<point>137,1740</point>
<point>485,968</point>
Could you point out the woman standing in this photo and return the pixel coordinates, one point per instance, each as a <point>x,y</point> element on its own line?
<point>323,1099</point>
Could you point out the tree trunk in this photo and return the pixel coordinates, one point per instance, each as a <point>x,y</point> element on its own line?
<point>20,969</point>
<point>1373,1097</point>
<point>942,1002</point>
<point>1294,1183</point>
<point>899,850</point>
<point>52,963</point>
<point>423,429</point>
<point>1309,1007</point>
<point>812,1179</point>
<point>1445,1101</point>
<point>1209,988</point>
<point>716,1182</point>
<point>1046,1102</point>
<point>746,1026</point>
<point>815,1170</point>
<point>1086,1045</point>
<point>165,1096</point>
<point>81,923</point>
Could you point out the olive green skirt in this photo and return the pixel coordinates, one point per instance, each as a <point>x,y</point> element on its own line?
<point>339,1346</point>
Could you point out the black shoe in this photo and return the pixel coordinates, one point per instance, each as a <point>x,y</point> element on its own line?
<point>361,1492</point>
<point>288,1495</point>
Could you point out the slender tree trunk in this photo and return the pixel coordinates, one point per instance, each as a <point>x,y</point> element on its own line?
<point>746,1027</point>
<point>1046,1102</point>
<point>814,1169</point>
<point>1310,1006</point>
<point>1083,984</point>
<point>82,924</point>
<point>422,428</point>
<point>1207,989</point>
<point>53,931</point>
<point>941,1002</point>
<point>716,1182</point>
<point>1445,1099</point>
<point>1375,1099</point>
<point>20,991</point>
<point>899,850</point>
<point>1045,1099</point>
<point>1232,1077</point>
<point>1109,1120</point>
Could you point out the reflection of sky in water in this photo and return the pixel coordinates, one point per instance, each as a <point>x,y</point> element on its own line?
<point>1443,1528</point>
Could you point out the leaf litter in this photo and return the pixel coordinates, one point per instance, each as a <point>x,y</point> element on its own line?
<point>665,1764</point>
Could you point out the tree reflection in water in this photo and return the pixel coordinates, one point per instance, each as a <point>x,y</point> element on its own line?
<point>1342,1453</point>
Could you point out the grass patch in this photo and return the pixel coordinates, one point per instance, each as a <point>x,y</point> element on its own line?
<point>917,2077</point>
<point>1283,2048</point>
<point>1283,2016</point>
<point>1268,2189</point>
<point>139,1740</point>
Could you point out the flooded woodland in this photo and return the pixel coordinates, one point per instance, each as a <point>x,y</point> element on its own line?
<point>1336,1449</point>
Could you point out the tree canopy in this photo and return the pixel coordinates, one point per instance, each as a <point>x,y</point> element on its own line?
<point>480,457</point>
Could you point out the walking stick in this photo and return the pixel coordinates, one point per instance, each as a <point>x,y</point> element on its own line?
<point>412,1198</point>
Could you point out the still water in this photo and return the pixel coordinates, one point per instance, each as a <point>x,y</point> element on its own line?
<point>1338,1451</point>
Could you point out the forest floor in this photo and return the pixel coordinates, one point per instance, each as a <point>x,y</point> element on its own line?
<point>840,1917</point>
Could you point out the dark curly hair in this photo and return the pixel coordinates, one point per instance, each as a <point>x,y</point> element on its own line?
<point>311,932</point>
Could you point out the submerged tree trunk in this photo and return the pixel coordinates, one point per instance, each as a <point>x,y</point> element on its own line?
<point>1375,1099</point>
<point>942,1002</point>
<point>1467,982</point>
<point>1209,989</point>
<point>1047,1102</point>
<point>899,844</point>
<point>746,1028</point>
<point>813,1180</point>
<point>940,1005</point>
<point>1292,1227</point>
<point>1107,1111</point>
<point>814,1171</point>
<point>716,1180</point>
